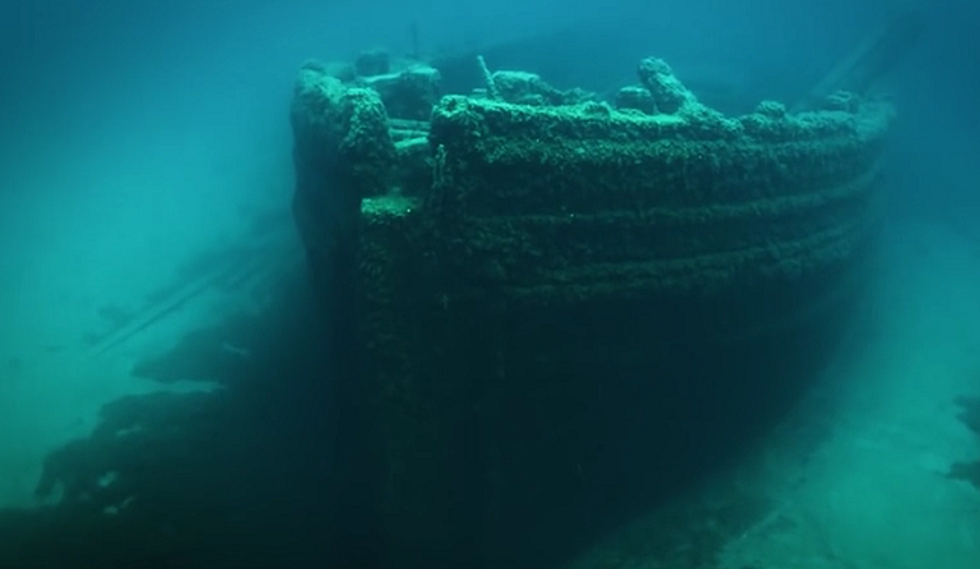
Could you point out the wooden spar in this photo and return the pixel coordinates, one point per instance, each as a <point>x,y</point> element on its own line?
<point>870,61</point>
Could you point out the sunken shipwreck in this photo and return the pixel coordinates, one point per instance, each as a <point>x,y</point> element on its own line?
<point>550,309</point>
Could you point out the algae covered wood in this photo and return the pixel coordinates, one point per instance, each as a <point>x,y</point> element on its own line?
<point>540,292</point>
